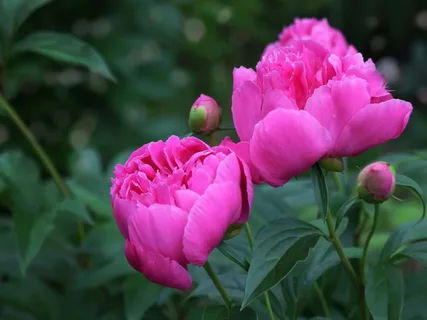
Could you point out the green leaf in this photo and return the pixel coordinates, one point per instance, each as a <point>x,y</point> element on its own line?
<point>345,208</point>
<point>31,231</point>
<point>64,48</point>
<point>404,234</point>
<point>139,295</point>
<point>320,189</point>
<point>101,275</point>
<point>220,312</point>
<point>90,191</point>
<point>278,247</point>
<point>14,12</point>
<point>216,312</point>
<point>76,208</point>
<point>416,251</point>
<point>233,255</point>
<point>384,292</point>
<point>404,181</point>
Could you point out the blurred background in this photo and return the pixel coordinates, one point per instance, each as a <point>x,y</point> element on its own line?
<point>163,54</point>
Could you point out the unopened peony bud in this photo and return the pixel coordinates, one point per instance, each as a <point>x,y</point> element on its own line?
<point>332,164</point>
<point>205,115</point>
<point>376,182</point>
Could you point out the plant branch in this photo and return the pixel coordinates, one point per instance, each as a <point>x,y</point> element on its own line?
<point>218,285</point>
<point>322,300</point>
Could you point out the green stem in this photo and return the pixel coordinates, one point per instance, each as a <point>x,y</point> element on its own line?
<point>266,296</point>
<point>365,255</point>
<point>218,285</point>
<point>338,247</point>
<point>365,247</point>
<point>337,182</point>
<point>44,158</point>
<point>322,300</point>
<point>249,235</point>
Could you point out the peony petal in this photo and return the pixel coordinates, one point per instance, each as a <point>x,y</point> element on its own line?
<point>241,75</point>
<point>274,99</point>
<point>156,150</point>
<point>211,215</point>
<point>372,126</point>
<point>122,210</point>
<point>158,269</point>
<point>247,190</point>
<point>246,108</point>
<point>287,143</point>
<point>228,170</point>
<point>335,105</point>
<point>202,179</point>
<point>159,229</point>
<point>242,150</point>
<point>185,199</point>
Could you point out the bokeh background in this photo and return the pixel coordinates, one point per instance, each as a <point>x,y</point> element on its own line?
<point>163,54</point>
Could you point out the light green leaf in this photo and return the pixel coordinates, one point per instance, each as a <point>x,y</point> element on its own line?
<point>384,292</point>
<point>76,208</point>
<point>31,231</point>
<point>320,189</point>
<point>139,295</point>
<point>64,48</point>
<point>278,247</point>
<point>404,181</point>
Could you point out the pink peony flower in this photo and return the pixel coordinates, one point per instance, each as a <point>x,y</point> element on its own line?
<point>315,30</point>
<point>303,103</point>
<point>173,201</point>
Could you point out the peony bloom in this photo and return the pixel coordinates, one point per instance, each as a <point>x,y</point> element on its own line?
<point>376,182</point>
<point>303,104</point>
<point>173,202</point>
<point>315,30</point>
<point>205,115</point>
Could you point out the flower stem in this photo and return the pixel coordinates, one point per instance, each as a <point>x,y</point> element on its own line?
<point>337,181</point>
<point>218,285</point>
<point>365,253</point>
<point>322,300</point>
<point>348,267</point>
<point>44,158</point>
<point>266,296</point>
<point>249,235</point>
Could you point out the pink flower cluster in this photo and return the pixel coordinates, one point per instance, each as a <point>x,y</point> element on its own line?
<point>311,96</point>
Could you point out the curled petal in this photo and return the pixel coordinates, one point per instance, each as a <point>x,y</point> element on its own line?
<point>157,268</point>
<point>122,210</point>
<point>372,126</point>
<point>211,215</point>
<point>159,229</point>
<point>246,108</point>
<point>241,75</point>
<point>287,143</point>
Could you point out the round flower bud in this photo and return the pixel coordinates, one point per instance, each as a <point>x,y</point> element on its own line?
<point>332,164</point>
<point>205,115</point>
<point>376,182</point>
